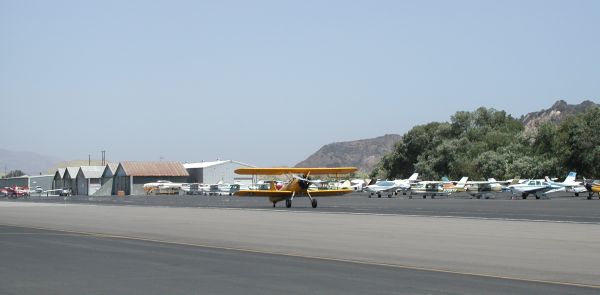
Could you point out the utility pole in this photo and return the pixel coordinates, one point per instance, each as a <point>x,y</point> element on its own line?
<point>89,160</point>
<point>103,158</point>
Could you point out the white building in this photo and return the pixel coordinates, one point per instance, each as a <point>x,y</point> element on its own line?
<point>213,172</point>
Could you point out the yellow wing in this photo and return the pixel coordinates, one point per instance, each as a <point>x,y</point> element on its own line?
<point>281,171</point>
<point>263,193</point>
<point>329,192</point>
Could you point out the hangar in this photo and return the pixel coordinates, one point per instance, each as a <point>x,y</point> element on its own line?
<point>57,183</point>
<point>131,176</point>
<point>109,172</point>
<point>88,180</point>
<point>70,178</point>
<point>215,171</point>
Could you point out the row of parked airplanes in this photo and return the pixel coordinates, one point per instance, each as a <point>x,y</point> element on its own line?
<point>535,187</point>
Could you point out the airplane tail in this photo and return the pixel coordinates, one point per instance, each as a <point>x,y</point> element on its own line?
<point>373,181</point>
<point>462,182</point>
<point>515,180</point>
<point>413,177</point>
<point>570,177</point>
<point>445,179</point>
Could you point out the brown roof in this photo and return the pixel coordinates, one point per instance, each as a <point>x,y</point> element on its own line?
<point>154,169</point>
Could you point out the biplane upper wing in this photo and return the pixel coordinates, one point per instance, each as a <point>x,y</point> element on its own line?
<point>281,171</point>
<point>263,193</point>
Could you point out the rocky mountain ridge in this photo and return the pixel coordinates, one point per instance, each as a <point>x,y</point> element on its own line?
<point>555,114</point>
<point>364,153</point>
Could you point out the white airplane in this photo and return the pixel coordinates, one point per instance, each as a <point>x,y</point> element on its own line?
<point>569,185</point>
<point>405,184</point>
<point>536,187</point>
<point>382,186</point>
<point>484,189</point>
<point>438,188</point>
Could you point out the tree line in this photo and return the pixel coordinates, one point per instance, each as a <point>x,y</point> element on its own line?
<point>490,143</point>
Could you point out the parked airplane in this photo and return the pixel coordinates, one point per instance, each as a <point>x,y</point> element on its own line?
<point>405,184</point>
<point>383,186</point>
<point>536,187</point>
<point>441,188</point>
<point>569,185</point>
<point>297,186</point>
<point>483,189</point>
<point>162,187</point>
<point>592,187</point>
<point>17,191</point>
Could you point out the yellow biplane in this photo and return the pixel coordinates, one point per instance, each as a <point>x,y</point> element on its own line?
<point>298,185</point>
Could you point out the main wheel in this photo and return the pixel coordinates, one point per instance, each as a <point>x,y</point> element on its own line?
<point>288,203</point>
<point>537,197</point>
<point>577,194</point>
<point>273,204</point>
<point>379,195</point>
<point>313,203</point>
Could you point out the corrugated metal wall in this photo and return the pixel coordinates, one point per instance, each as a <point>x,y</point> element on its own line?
<point>225,172</point>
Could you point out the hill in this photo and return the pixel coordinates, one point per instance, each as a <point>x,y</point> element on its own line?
<point>364,153</point>
<point>28,162</point>
<point>559,111</point>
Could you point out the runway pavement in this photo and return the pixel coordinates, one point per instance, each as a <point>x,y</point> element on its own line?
<point>54,262</point>
<point>551,252</point>
<point>558,208</point>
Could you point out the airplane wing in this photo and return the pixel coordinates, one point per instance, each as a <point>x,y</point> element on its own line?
<point>281,171</point>
<point>263,193</point>
<point>329,192</point>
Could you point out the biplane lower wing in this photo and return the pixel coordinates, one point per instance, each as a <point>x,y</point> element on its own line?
<point>329,193</point>
<point>263,193</point>
<point>286,193</point>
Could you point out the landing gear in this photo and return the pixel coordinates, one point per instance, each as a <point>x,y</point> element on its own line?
<point>370,195</point>
<point>524,195</point>
<point>424,196</point>
<point>313,203</point>
<point>577,194</point>
<point>537,197</point>
<point>379,195</point>
<point>390,196</point>
<point>288,203</point>
<point>273,204</point>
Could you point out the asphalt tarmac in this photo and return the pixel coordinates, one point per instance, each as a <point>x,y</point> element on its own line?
<point>56,262</point>
<point>564,208</point>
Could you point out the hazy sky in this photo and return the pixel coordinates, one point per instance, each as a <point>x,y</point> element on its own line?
<point>269,82</point>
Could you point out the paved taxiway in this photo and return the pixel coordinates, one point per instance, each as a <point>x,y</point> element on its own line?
<point>535,251</point>
<point>54,262</point>
<point>558,208</point>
